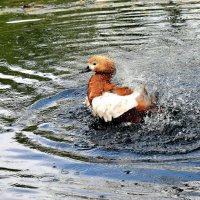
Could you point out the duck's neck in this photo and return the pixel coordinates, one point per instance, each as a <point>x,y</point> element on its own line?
<point>102,77</point>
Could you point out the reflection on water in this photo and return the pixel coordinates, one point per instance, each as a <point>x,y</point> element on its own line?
<point>50,140</point>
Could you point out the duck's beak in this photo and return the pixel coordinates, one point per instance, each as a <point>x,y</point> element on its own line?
<point>87,69</point>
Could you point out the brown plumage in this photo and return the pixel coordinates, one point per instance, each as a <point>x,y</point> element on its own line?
<point>100,83</point>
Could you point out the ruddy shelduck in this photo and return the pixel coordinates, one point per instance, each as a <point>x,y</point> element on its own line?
<point>109,101</point>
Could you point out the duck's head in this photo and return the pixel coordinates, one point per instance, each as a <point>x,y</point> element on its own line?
<point>101,64</point>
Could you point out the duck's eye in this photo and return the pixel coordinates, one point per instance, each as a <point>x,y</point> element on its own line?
<point>94,63</point>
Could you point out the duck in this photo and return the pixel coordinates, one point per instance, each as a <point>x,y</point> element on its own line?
<point>109,101</point>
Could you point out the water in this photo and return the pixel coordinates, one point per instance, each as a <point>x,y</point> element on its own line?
<point>51,147</point>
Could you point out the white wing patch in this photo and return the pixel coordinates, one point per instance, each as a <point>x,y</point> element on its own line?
<point>111,105</point>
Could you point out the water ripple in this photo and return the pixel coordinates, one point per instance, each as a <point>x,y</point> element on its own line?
<point>43,47</point>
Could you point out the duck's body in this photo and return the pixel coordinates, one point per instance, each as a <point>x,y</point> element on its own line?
<point>111,102</point>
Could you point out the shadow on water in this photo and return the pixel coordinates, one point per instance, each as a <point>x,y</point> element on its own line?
<point>43,119</point>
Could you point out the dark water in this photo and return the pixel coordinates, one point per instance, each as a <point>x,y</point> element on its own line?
<point>51,147</point>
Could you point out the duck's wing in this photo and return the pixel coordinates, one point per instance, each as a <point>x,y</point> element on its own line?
<point>122,91</point>
<point>111,105</point>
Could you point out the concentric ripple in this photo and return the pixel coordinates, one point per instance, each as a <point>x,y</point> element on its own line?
<point>139,32</point>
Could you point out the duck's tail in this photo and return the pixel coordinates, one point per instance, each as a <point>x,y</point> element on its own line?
<point>144,100</point>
